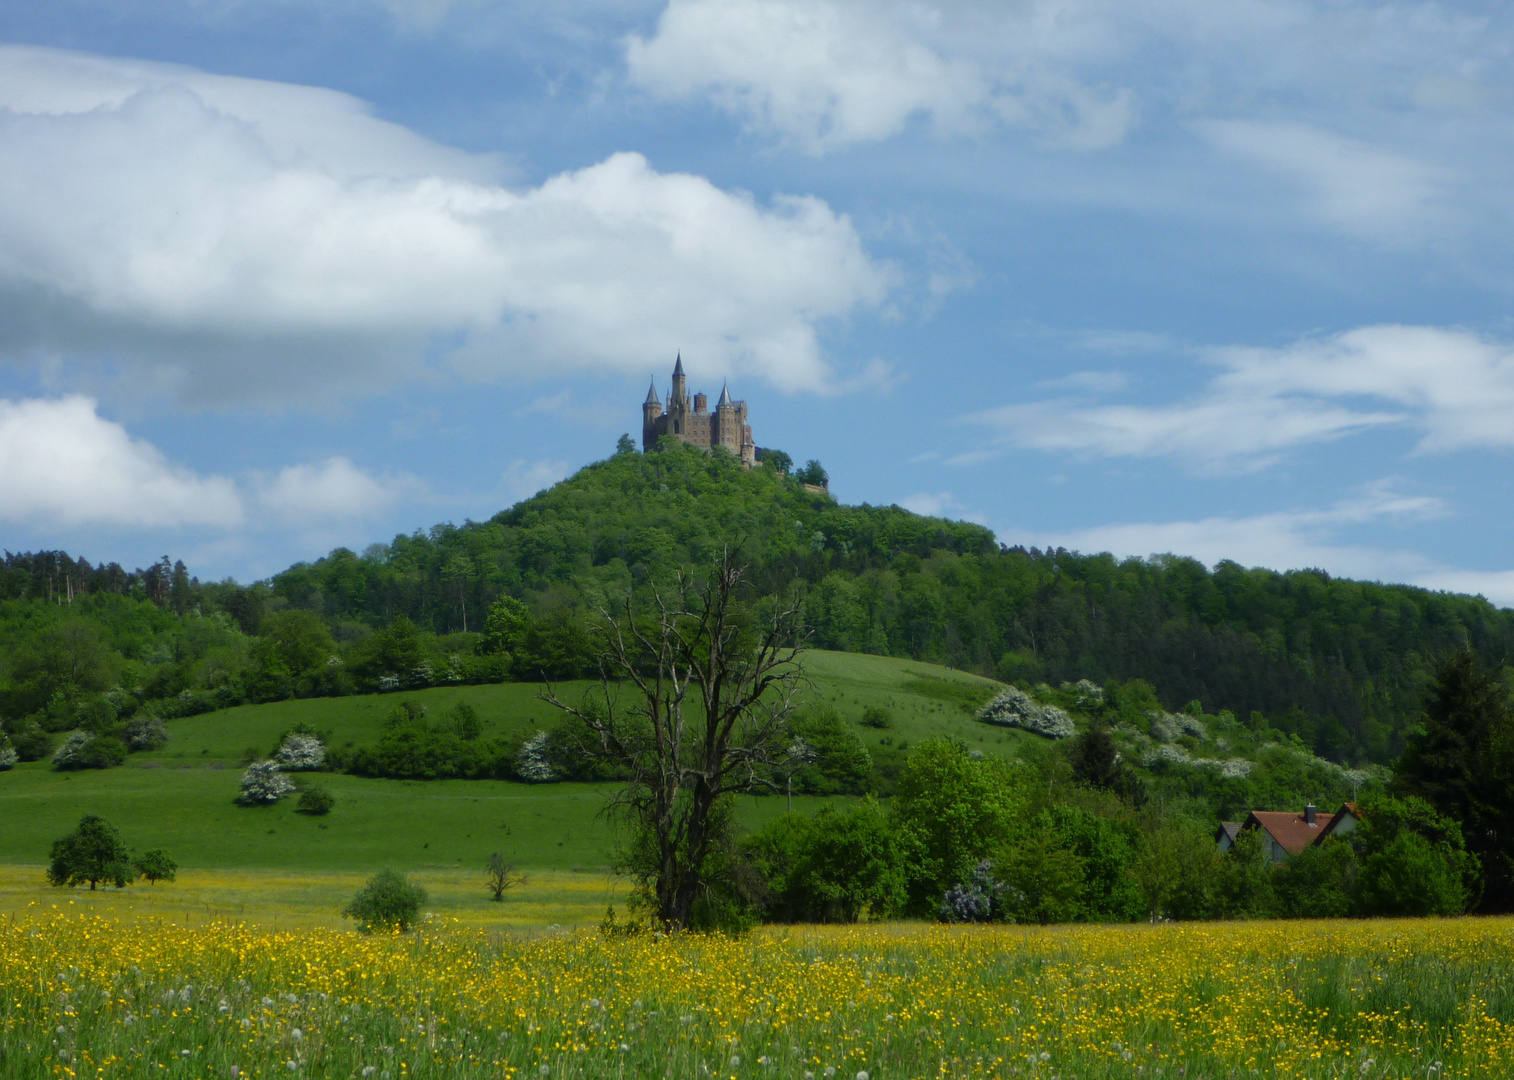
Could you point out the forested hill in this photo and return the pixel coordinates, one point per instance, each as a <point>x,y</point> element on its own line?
<point>1337,662</point>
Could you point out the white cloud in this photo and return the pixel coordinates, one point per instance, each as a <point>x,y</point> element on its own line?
<point>334,489</point>
<point>1452,386</point>
<point>1292,540</point>
<point>830,73</point>
<point>940,504</point>
<point>1355,186</point>
<point>522,479</point>
<point>227,239</point>
<point>61,464</point>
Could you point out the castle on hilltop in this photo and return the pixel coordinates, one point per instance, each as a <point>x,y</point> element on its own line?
<point>690,420</point>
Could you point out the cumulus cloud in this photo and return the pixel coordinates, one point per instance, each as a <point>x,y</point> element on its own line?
<point>62,464</point>
<point>831,73</point>
<point>226,239</point>
<point>1455,388</point>
<point>334,489</point>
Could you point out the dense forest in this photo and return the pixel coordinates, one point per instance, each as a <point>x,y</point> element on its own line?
<point>1341,664</point>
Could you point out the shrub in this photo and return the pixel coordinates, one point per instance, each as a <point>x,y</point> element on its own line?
<point>838,866</point>
<point>533,764</point>
<point>387,902</point>
<point>90,854</point>
<point>146,733</point>
<point>30,742</point>
<point>156,866</point>
<point>301,752</point>
<point>1016,708</point>
<point>263,784</point>
<point>8,756</point>
<point>978,899</point>
<point>875,717</point>
<point>316,802</point>
<point>83,750</point>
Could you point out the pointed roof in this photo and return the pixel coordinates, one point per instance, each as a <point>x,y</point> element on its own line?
<point>678,364</point>
<point>1292,832</point>
<point>725,396</point>
<point>652,394</point>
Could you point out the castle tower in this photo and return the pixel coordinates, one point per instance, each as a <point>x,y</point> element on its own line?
<point>651,409</point>
<point>680,388</point>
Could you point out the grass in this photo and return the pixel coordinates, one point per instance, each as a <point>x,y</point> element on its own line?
<point>87,995</point>
<point>182,797</point>
<point>293,900</point>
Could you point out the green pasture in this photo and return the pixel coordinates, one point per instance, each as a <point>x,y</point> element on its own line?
<point>181,798</point>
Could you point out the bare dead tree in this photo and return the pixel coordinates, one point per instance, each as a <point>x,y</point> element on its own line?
<point>708,688</point>
<point>501,876</point>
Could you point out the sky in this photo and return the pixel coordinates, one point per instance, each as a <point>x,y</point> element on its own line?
<point>1230,280</point>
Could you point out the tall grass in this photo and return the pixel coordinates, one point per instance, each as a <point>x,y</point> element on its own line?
<point>87,996</point>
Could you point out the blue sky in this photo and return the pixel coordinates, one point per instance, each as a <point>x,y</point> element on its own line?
<point>1226,280</point>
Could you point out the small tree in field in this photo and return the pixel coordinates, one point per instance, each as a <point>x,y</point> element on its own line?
<point>387,902</point>
<point>91,853</point>
<point>156,866</point>
<point>500,877</point>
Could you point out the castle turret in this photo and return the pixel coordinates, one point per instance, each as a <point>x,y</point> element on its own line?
<point>651,409</point>
<point>680,389</point>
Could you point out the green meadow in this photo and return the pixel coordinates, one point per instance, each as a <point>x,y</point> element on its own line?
<point>182,798</point>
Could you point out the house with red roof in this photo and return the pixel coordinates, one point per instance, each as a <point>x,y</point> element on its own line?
<point>1286,833</point>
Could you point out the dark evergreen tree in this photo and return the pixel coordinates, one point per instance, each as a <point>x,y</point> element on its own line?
<point>1462,763</point>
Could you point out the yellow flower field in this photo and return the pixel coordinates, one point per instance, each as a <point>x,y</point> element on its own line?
<point>86,996</point>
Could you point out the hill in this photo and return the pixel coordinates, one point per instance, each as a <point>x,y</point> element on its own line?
<point>1337,663</point>
<point>181,795</point>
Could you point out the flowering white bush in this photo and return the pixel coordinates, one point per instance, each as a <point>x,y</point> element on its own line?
<point>1015,708</point>
<point>532,764</point>
<point>263,783</point>
<point>68,753</point>
<point>146,733</point>
<point>301,753</point>
<point>8,756</point>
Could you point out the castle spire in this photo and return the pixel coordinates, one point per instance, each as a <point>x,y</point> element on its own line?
<point>678,364</point>
<point>725,396</point>
<point>652,393</point>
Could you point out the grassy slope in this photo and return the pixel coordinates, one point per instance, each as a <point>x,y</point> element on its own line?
<point>181,798</point>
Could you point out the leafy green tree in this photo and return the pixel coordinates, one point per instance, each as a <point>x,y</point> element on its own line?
<point>155,866</point>
<point>30,741</point>
<point>839,866</point>
<point>1413,861</point>
<point>950,812</point>
<point>776,460</point>
<point>1462,763</point>
<point>1245,879</point>
<point>92,853</point>
<point>1317,882</point>
<point>387,902</point>
<point>813,473</point>
<point>1046,878</point>
<point>1177,871</point>
<point>624,445</point>
<point>506,626</point>
<point>464,721</point>
<point>840,762</point>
